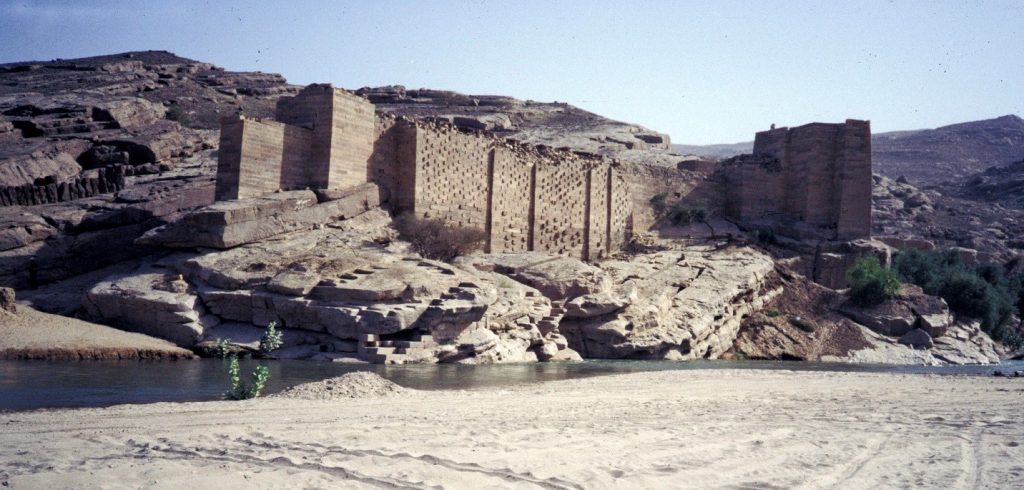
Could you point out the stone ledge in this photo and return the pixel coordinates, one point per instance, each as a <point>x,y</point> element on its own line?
<point>228,224</point>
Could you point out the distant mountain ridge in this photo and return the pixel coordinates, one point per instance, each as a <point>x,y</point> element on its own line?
<point>925,156</point>
<point>949,153</point>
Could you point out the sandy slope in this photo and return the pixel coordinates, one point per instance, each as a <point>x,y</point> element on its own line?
<point>32,334</point>
<point>740,429</point>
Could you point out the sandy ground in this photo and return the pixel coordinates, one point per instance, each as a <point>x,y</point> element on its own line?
<point>682,429</point>
<point>34,334</point>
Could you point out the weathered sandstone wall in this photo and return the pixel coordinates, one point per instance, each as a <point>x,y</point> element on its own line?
<point>323,138</point>
<point>274,156</point>
<point>818,173</point>
<point>523,198</point>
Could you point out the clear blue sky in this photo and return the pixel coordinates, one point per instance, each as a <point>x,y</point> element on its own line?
<point>704,72</point>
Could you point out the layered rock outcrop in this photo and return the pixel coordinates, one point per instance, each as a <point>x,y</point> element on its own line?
<point>364,300</point>
<point>670,305</point>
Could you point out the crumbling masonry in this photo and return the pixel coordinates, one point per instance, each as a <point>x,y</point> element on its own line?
<point>524,197</point>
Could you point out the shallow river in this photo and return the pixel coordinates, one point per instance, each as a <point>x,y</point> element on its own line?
<point>45,384</point>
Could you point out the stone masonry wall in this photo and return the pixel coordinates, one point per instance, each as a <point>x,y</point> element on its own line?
<point>351,142</point>
<point>452,176</point>
<point>822,177</point>
<point>323,138</point>
<point>560,202</point>
<point>522,198</point>
<point>511,178</point>
<point>274,154</point>
<point>854,200</point>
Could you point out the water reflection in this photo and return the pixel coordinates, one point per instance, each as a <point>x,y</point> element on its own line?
<point>38,384</point>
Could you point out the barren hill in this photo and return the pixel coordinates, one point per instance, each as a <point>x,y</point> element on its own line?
<point>949,153</point>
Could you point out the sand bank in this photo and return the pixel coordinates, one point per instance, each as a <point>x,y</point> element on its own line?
<point>652,430</point>
<point>32,334</point>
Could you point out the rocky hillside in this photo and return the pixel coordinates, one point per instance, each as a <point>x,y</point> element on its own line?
<point>555,124</point>
<point>1002,185</point>
<point>949,153</point>
<point>98,150</point>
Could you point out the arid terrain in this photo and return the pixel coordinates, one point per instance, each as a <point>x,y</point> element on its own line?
<point>105,161</point>
<point>679,429</point>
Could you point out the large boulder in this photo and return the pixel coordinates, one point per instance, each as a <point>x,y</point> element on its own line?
<point>597,304</point>
<point>683,305</point>
<point>153,301</point>
<point>918,339</point>
<point>832,260</point>
<point>128,113</point>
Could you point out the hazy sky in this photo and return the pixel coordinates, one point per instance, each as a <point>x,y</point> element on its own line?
<point>704,72</point>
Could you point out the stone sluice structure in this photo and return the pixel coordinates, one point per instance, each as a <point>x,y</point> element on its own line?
<point>524,198</point>
<point>817,174</point>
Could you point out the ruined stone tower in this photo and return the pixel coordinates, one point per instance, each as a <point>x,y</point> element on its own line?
<point>817,174</point>
<point>322,139</point>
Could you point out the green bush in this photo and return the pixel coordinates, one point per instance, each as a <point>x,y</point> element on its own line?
<point>222,350</point>
<point>659,203</point>
<point>984,292</point>
<point>241,391</point>
<point>435,239</point>
<point>766,237</point>
<point>271,339</point>
<point>682,214</point>
<point>870,283</point>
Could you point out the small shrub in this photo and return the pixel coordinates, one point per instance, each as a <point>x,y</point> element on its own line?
<point>435,239</point>
<point>222,350</point>
<point>659,203</point>
<point>241,391</point>
<point>870,283</point>
<point>177,114</point>
<point>681,214</point>
<point>802,324</point>
<point>772,313</point>
<point>271,339</point>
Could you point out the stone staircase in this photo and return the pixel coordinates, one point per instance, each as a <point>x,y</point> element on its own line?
<point>373,348</point>
<point>550,322</point>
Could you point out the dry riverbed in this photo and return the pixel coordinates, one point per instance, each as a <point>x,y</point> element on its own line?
<point>700,429</point>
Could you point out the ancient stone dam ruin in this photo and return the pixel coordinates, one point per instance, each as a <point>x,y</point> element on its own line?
<point>817,174</point>
<point>298,236</point>
<point>525,198</point>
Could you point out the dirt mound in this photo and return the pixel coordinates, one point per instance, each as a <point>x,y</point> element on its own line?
<point>352,385</point>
